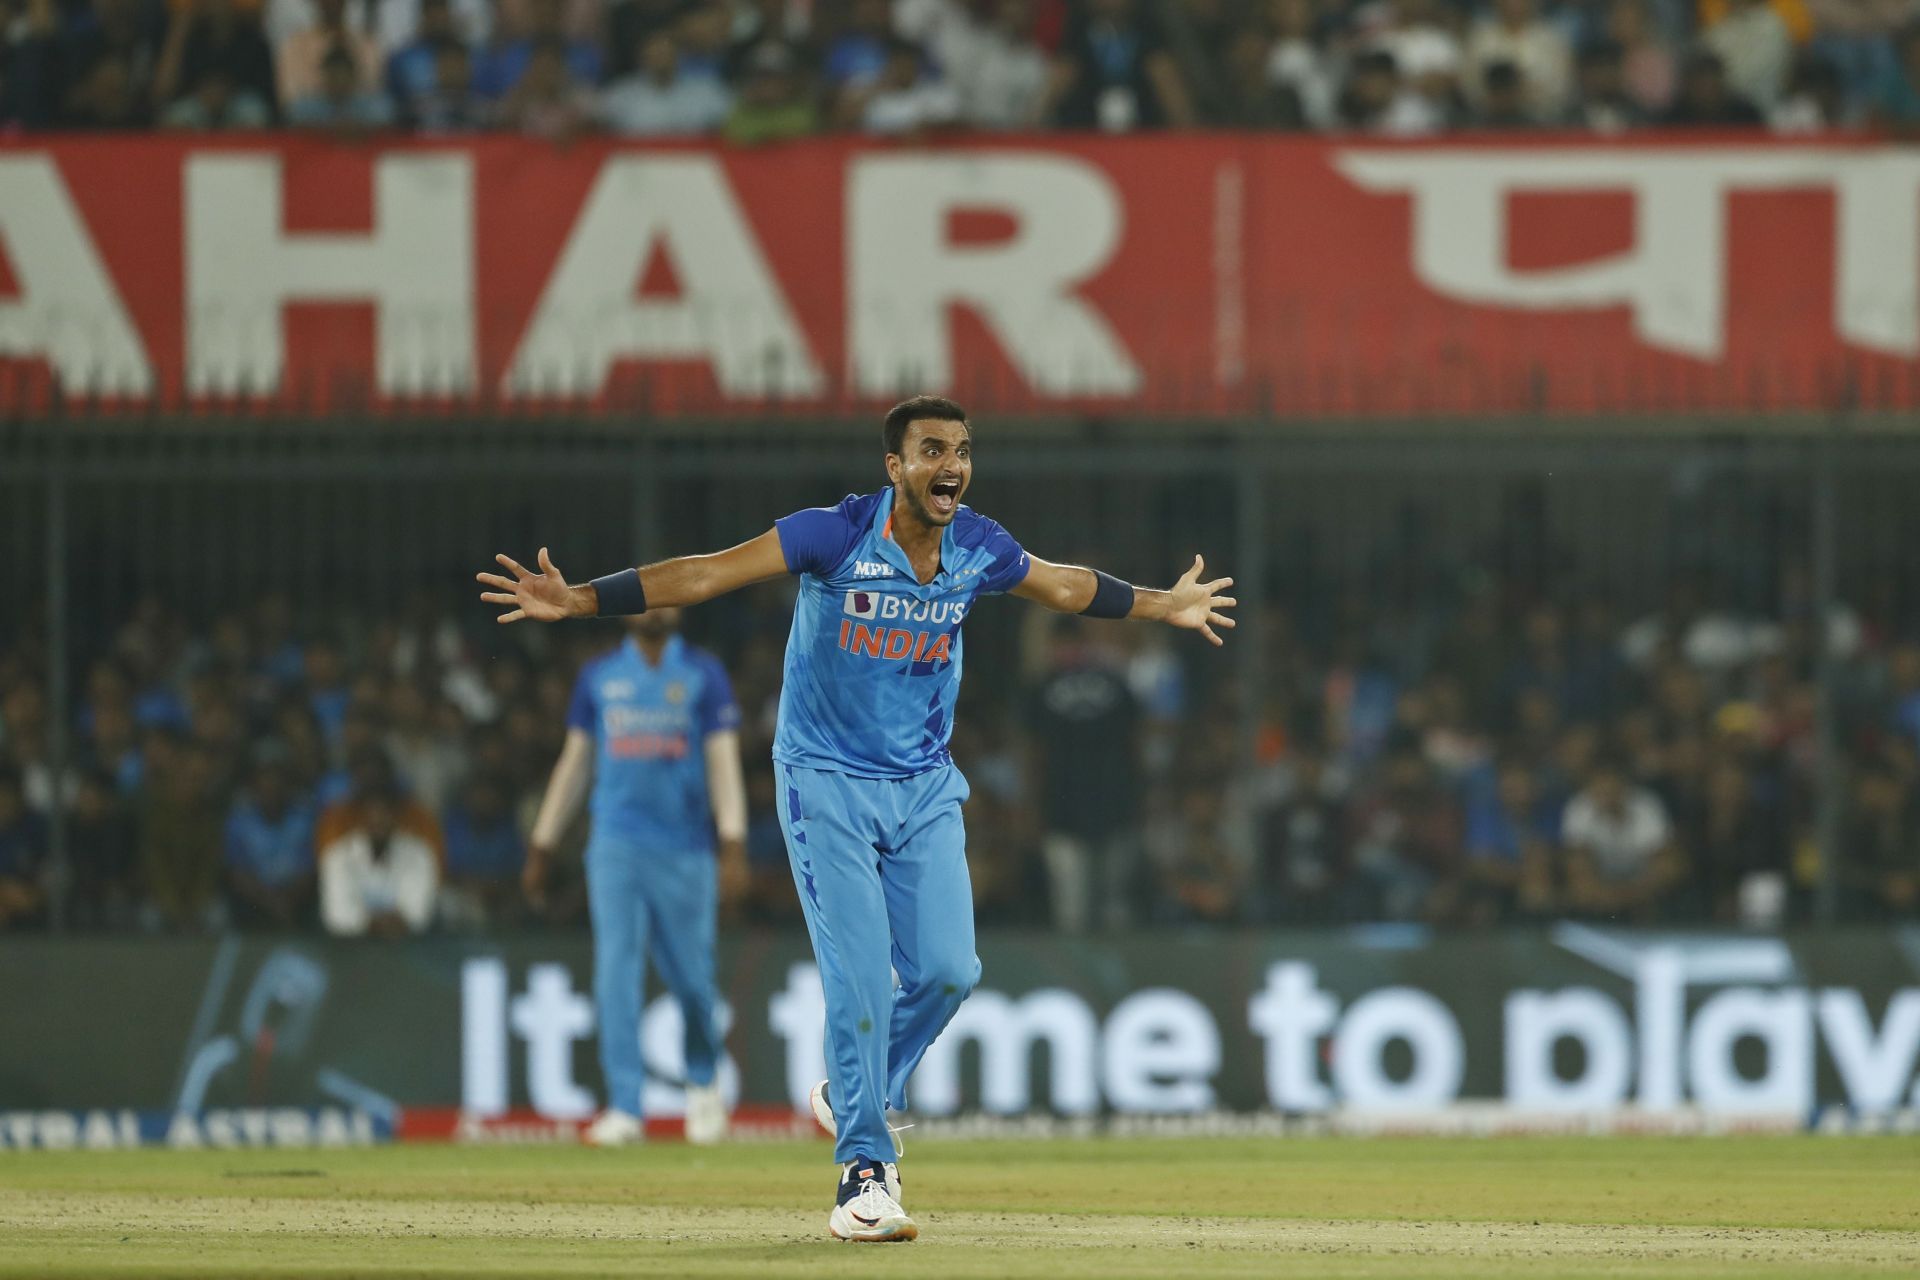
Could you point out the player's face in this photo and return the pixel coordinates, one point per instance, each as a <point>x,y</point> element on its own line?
<point>933,468</point>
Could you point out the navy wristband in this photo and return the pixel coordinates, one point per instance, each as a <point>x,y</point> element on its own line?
<point>620,593</point>
<point>1112,598</point>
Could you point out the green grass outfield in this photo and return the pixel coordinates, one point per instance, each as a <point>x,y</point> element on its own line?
<point>1434,1207</point>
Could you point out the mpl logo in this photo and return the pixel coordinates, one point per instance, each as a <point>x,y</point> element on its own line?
<point>863,604</point>
<point>872,569</point>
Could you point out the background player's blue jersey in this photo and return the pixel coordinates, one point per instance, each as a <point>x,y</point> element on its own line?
<point>873,661</point>
<point>649,726</point>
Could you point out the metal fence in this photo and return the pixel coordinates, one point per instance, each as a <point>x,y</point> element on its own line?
<point>1377,537</point>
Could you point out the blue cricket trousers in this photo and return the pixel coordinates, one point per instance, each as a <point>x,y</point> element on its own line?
<point>666,902</point>
<point>881,866</point>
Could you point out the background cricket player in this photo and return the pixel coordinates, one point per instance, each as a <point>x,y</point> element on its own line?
<point>655,726</point>
<point>869,796</point>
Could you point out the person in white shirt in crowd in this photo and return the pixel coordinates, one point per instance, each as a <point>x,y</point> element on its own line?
<point>1427,57</point>
<point>377,880</point>
<point>1297,63</point>
<point>1756,50</point>
<point>663,99</point>
<point>997,69</point>
<point>907,99</point>
<point>1514,33</point>
<point>1376,99</point>
<point>1620,854</point>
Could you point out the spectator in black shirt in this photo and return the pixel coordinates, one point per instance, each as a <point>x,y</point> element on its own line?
<point>1086,721</point>
<point>1114,73</point>
<point>209,36</point>
<point>1705,100</point>
<point>104,852</point>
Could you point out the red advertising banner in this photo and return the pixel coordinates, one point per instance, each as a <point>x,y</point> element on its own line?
<point>1201,275</point>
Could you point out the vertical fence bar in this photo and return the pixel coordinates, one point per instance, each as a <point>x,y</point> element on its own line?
<point>57,675</point>
<point>1829,771</point>
<point>1249,588</point>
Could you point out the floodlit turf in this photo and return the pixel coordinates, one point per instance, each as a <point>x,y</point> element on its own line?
<point>1538,1208</point>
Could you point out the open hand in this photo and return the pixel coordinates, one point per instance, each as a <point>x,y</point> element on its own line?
<point>1196,605</point>
<point>543,596</point>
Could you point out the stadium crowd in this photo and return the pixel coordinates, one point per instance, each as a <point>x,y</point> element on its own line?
<point>1492,756</point>
<point>755,71</point>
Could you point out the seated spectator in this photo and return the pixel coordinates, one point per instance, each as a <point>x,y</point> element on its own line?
<point>371,771</point>
<point>1375,100</point>
<point>1298,65</point>
<point>1504,99</point>
<point>300,60</point>
<point>661,98</point>
<point>343,103</point>
<point>23,855</point>
<point>502,67</point>
<point>398,23</point>
<point>377,880</point>
<point>907,101</point>
<point>997,67</point>
<point>449,105</point>
<point>1405,837</point>
<point>1896,106</point>
<point>1515,34</point>
<point>548,101</point>
<point>1620,854</point>
<point>1601,102</point>
<point>1204,884</point>
<point>856,56</point>
<point>413,68</point>
<point>103,850</point>
<point>269,848</point>
<point>1303,859</point>
<point>1647,65</point>
<point>1508,871</point>
<point>212,36</point>
<point>1112,72</point>
<point>772,105</point>
<point>1427,56</point>
<point>1879,872</point>
<point>180,842</point>
<point>1705,100</point>
<point>102,61</point>
<point>323,671</point>
<point>1815,100</point>
<point>216,106</point>
<point>770,896</point>
<point>1755,50</point>
<point>629,23</point>
<point>484,854</point>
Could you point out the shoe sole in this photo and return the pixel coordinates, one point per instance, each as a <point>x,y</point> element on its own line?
<point>900,1235</point>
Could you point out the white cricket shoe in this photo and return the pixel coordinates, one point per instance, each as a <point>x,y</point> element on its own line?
<point>822,1107</point>
<point>706,1115</point>
<point>614,1128</point>
<point>867,1212</point>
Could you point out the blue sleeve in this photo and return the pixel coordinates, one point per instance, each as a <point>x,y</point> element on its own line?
<point>716,712</point>
<point>580,712</point>
<point>1010,561</point>
<point>817,539</point>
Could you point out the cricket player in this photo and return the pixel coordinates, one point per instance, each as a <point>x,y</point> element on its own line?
<point>655,727</point>
<point>869,798</point>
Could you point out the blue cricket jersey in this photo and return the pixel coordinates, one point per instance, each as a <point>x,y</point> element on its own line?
<point>649,726</point>
<point>873,660</point>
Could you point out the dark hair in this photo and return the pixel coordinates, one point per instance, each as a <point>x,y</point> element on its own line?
<point>939,408</point>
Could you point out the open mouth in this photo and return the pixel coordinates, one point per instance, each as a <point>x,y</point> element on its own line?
<point>944,495</point>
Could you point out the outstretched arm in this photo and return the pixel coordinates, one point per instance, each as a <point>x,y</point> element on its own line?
<point>547,596</point>
<point>1188,603</point>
